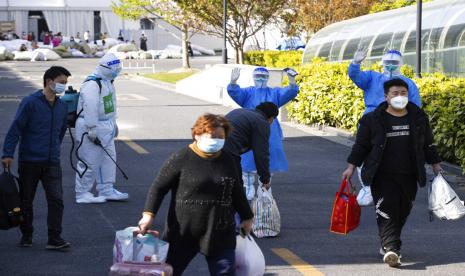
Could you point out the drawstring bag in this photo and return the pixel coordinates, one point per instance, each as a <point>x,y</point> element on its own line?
<point>346,211</point>
<point>443,202</point>
<point>267,220</point>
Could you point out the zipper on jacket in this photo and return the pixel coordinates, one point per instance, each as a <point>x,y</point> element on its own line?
<point>52,109</point>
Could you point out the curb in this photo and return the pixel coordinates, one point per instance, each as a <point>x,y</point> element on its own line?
<point>160,84</point>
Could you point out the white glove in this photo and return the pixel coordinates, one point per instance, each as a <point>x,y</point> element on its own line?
<point>360,55</point>
<point>236,72</point>
<point>92,134</point>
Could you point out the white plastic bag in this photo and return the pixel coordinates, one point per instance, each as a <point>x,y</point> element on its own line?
<point>249,258</point>
<point>267,220</point>
<point>364,197</point>
<point>443,202</point>
<point>147,248</point>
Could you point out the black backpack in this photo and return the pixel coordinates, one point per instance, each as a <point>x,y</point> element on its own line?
<point>10,211</point>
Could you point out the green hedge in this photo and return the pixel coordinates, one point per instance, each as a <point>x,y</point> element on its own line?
<point>274,59</point>
<point>328,97</point>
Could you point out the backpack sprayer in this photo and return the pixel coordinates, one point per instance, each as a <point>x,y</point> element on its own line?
<point>71,98</point>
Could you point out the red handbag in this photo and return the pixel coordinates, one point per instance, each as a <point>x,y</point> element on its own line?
<point>346,211</point>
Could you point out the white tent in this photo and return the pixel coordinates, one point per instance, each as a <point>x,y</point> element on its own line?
<point>66,16</point>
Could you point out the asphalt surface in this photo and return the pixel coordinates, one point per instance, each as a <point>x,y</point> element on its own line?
<point>159,121</point>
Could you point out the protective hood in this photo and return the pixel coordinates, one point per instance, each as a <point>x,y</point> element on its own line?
<point>260,77</point>
<point>109,67</point>
<point>392,61</point>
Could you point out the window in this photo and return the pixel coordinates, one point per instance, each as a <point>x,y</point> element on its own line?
<point>381,45</point>
<point>351,47</point>
<point>397,40</point>
<point>453,35</point>
<point>411,44</point>
<point>146,24</point>
<point>336,49</point>
<point>324,51</point>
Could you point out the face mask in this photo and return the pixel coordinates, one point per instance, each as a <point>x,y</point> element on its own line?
<point>209,145</point>
<point>115,72</point>
<point>399,102</point>
<point>58,88</point>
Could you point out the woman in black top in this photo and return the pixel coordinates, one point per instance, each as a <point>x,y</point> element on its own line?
<point>206,190</point>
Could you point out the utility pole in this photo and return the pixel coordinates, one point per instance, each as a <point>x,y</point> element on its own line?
<point>225,50</point>
<point>419,18</point>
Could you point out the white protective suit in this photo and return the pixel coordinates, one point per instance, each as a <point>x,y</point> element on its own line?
<point>98,116</point>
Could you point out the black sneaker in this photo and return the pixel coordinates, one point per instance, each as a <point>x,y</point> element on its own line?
<point>26,241</point>
<point>57,244</point>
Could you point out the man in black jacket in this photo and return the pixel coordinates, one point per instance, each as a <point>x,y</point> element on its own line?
<point>393,142</point>
<point>251,131</point>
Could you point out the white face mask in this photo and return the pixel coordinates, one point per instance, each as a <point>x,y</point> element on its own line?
<point>399,102</point>
<point>209,145</point>
<point>58,88</point>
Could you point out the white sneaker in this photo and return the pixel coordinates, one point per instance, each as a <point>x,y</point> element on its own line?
<point>90,198</point>
<point>114,195</point>
<point>392,259</point>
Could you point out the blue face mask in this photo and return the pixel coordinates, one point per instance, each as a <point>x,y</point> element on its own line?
<point>209,145</point>
<point>59,88</point>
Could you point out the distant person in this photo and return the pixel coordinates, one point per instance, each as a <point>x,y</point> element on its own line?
<point>56,41</point>
<point>206,192</point>
<point>120,36</point>
<point>78,35</point>
<point>23,48</point>
<point>143,42</point>
<point>47,38</point>
<point>189,49</point>
<point>71,39</point>
<point>39,126</point>
<point>41,36</point>
<point>23,36</point>
<point>103,37</point>
<point>393,142</point>
<point>87,36</point>
<point>34,45</point>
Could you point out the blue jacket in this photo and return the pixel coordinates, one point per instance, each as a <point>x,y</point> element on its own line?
<point>39,128</point>
<point>250,97</point>
<point>371,83</point>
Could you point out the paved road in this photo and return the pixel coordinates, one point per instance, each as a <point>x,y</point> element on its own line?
<point>159,122</point>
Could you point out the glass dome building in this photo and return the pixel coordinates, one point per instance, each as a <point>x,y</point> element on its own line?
<point>442,38</point>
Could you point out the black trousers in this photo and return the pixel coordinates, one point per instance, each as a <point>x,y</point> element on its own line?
<point>29,176</point>
<point>393,195</point>
<point>180,255</point>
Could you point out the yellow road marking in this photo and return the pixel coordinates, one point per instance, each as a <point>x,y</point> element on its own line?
<point>297,263</point>
<point>133,145</point>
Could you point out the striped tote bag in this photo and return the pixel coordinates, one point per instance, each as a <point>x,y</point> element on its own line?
<point>267,220</point>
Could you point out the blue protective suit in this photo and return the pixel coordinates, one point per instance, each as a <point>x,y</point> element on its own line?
<point>371,83</point>
<point>250,97</point>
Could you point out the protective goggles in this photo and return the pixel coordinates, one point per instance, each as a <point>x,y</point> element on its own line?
<point>391,62</point>
<point>260,76</point>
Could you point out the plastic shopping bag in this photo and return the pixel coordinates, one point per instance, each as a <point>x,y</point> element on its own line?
<point>364,197</point>
<point>346,211</point>
<point>249,258</point>
<point>443,202</point>
<point>267,220</point>
<point>132,247</point>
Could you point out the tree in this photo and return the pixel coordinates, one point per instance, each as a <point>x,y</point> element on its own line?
<point>245,18</point>
<point>167,10</point>
<point>312,15</point>
<point>392,4</point>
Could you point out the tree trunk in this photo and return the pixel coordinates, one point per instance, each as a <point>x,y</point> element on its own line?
<point>239,49</point>
<point>185,52</point>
